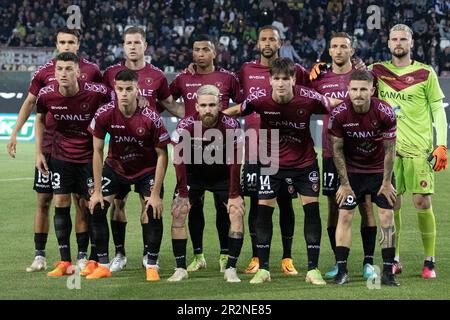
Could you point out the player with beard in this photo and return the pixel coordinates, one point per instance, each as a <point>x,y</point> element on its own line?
<point>220,177</point>
<point>153,86</point>
<point>333,82</point>
<point>185,85</point>
<point>363,131</point>
<point>412,89</point>
<point>254,78</point>
<point>67,40</point>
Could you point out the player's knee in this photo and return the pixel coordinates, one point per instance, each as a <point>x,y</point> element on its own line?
<point>398,203</point>
<point>43,203</point>
<point>62,201</point>
<point>386,217</point>
<point>119,204</point>
<point>422,201</point>
<point>236,217</point>
<point>179,220</point>
<point>346,217</point>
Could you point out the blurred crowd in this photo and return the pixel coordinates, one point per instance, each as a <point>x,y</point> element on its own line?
<point>305,26</point>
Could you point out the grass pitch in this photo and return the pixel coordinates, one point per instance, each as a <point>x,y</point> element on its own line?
<point>17,207</point>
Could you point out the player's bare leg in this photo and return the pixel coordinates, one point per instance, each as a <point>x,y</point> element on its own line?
<point>427,226</point>
<point>180,210</point>
<point>41,228</point>
<point>235,237</point>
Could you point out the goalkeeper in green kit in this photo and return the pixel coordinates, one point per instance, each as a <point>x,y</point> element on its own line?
<point>413,90</point>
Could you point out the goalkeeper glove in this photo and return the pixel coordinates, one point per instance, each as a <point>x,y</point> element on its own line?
<point>316,70</point>
<point>440,153</point>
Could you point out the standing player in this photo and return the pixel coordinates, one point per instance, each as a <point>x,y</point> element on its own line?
<point>137,155</point>
<point>153,86</point>
<point>288,109</point>
<point>221,177</point>
<point>71,103</point>
<point>363,137</point>
<point>254,78</point>
<point>67,40</point>
<point>412,88</point>
<point>333,83</point>
<point>186,85</point>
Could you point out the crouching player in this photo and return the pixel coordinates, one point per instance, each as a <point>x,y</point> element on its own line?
<point>363,137</point>
<point>137,155</point>
<point>203,143</point>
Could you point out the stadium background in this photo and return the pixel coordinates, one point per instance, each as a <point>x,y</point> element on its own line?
<point>26,41</point>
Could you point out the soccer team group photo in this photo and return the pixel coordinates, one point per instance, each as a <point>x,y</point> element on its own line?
<point>226,149</point>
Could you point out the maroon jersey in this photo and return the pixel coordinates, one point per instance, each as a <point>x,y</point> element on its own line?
<point>295,145</point>
<point>363,134</point>
<point>254,80</point>
<point>229,168</point>
<point>186,85</point>
<point>152,83</point>
<point>72,115</point>
<point>133,140</point>
<point>332,85</point>
<point>44,75</point>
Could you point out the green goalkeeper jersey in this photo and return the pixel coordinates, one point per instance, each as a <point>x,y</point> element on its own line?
<point>410,91</point>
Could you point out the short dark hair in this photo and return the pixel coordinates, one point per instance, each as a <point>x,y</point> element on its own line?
<point>361,75</point>
<point>269,27</point>
<point>204,37</point>
<point>283,66</point>
<point>133,30</point>
<point>127,75</point>
<point>67,56</point>
<point>341,35</point>
<point>74,32</point>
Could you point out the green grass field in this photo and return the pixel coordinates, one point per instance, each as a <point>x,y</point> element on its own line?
<point>17,251</point>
